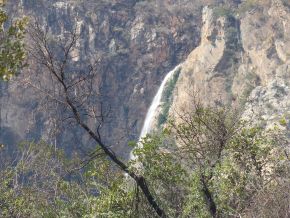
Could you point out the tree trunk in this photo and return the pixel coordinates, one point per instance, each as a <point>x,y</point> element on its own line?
<point>209,199</point>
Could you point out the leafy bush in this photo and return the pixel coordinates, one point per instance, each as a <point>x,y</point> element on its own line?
<point>222,11</point>
<point>209,164</point>
<point>12,53</point>
<point>220,168</point>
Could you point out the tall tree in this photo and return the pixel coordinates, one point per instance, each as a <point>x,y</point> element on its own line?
<point>75,94</point>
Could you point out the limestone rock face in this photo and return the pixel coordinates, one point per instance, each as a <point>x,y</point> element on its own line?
<point>198,74</point>
<point>269,52</point>
<point>242,59</point>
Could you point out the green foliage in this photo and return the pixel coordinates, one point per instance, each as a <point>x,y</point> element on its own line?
<point>233,162</point>
<point>114,202</point>
<point>207,156</point>
<point>222,11</point>
<point>167,98</point>
<point>283,121</point>
<point>226,10</point>
<point>12,52</point>
<point>163,171</point>
<point>41,182</point>
<point>19,196</point>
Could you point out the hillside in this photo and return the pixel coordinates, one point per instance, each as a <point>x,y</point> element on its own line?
<point>153,108</point>
<point>134,44</point>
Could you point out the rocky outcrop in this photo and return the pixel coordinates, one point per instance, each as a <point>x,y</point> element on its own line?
<point>267,44</point>
<point>230,56</point>
<point>198,73</point>
<point>243,59</point>
<point>136,43</point>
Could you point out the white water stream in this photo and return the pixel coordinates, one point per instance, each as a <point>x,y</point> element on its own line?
<point>151,114</point>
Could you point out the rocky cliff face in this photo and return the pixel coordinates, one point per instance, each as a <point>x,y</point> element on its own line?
<point>243,58</point>
<point>228,56</point>
<point>137,43</point>
<point>269,53</point>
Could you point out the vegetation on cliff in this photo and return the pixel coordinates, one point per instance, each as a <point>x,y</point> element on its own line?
<point>167,99</point>
<point>206,162</point>
<point>209,164</point>
<point>12,53</point>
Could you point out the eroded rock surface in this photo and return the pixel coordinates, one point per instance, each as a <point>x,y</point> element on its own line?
<point>243,59</point>
<point>137,43</point>
<point>236,57</point>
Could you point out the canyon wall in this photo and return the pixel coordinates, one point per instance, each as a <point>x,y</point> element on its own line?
<point>243,60</point>
<point>135,42</point>
<point>233,52</point>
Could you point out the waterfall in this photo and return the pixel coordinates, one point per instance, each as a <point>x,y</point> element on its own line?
<point>151,114</point>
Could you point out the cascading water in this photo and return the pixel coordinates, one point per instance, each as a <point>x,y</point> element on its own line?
<point>151,114</point>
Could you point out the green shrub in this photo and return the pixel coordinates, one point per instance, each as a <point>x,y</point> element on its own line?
<point>222,11</point>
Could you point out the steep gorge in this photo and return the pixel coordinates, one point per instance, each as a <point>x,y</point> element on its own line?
<point>242,60</point>
<point>134,43</point>
<point>233,57</point>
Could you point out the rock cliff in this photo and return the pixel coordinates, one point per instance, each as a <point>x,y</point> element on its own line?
<point>136,42</point>
<point>243,59</point>
<point>233,51</point>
